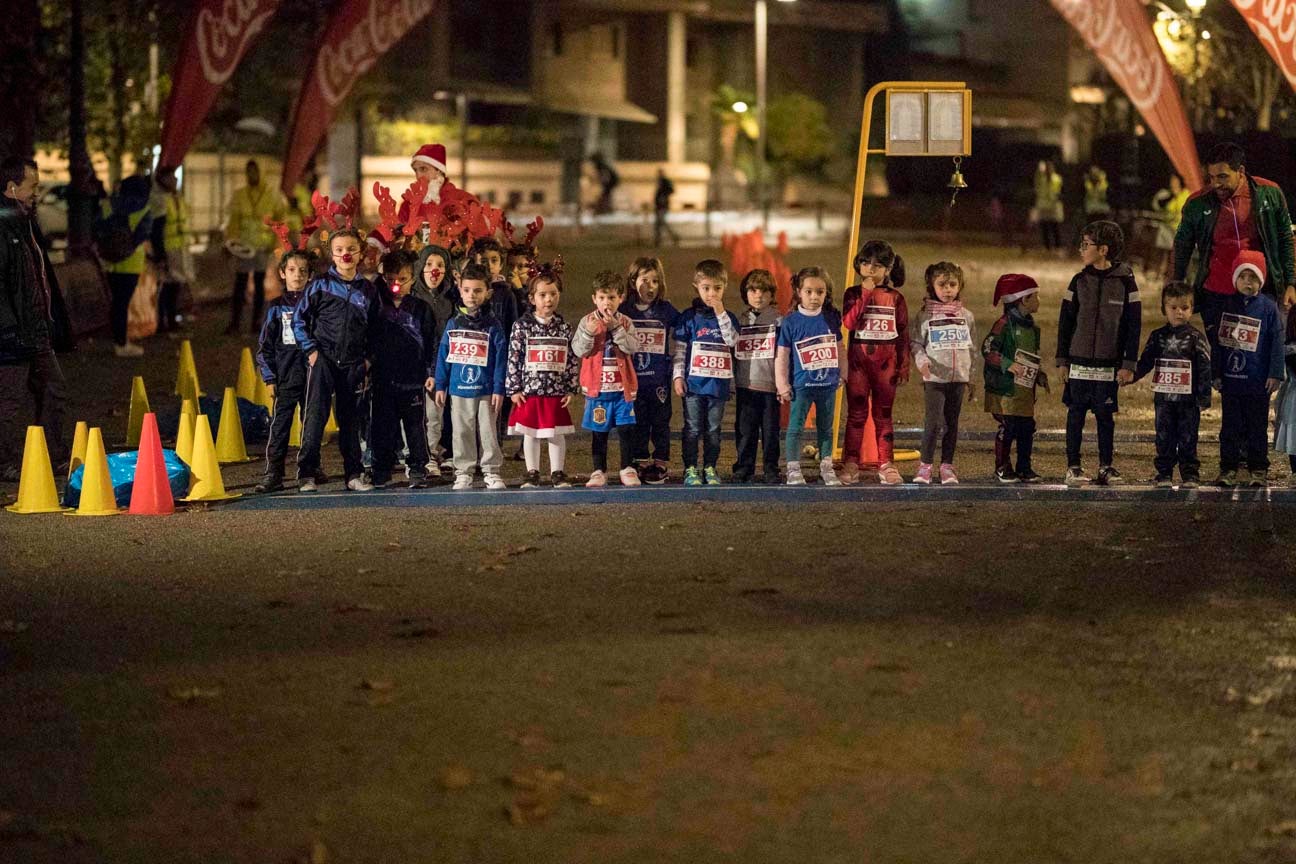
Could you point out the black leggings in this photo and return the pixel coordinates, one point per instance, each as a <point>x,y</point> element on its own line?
<point>122,287</point>
<point>1075,434</point>
<point>625,434</point>
<point>1014,429</point>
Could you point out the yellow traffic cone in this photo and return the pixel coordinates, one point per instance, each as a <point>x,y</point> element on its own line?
<point>245,386</point>
<point>229,438</point>
<point>78,446</point>
<point>36,492</point>
<point>187,369</point>
<point>294,434</point>
<point>97,497</point>
<point>205,483</point>
<point>331,427</point>
<point>261,395</point>
<point>189,406</point>
<point>139,406</point>
<point>185,434</point>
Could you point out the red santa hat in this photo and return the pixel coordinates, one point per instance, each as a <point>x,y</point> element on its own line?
<point>376,240</point>
<point>1012,287</point>
<point>431,154</point>
<point>1249,259</point>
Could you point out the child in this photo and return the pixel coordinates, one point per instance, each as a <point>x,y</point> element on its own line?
<point>654,320</point>
<point>1181,358</point>
<point>943,352</point>
<point>521,258</point>
<point>282,365</point>
<point>489,253</point>
<point>403,369</point>
<point>605,339</point>
<point>1285,428</point>
<point>705,336</point>
<point>1248,367</point>
<point>808,369</point>
<point>877,317</point>
<point>1012,369</point>
<point>434,285</point>
<point>542,376</point>
<point>1098,339</point>
<point>332,323</point>
<point>758,412</point>
<point>470,368</point>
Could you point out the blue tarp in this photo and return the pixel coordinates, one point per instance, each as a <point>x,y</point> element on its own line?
<point>256,420</point>
<point>121,467</point>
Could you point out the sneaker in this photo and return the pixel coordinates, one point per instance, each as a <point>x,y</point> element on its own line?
<point>559,480</point>
<point>850,474</point>
<point>1028,476</point>
<point>947,475</point>
<point>1075,476</point>
<point>462,482</point>
<point>1190,481</point>
<point>740,477</point>
<point>692,477</point>
<point>379,478</point>
<point>130,349</point>
<point>270,483</point>
<point>771,477</point>
<point>629,477</point>
<point>359,484</point>
<point>596,480</point>
<point>519,456</point>
<point>321,478</point>
<point>1163,481</point>
<point>494,482</point>
<point>307,485</point>
<point>827,474</point>
<point>712,479</point>
<point>1109,476</point>
<point>653,474</point>
<point>889,476</point>
<point>532,480</point>
<point>1005,475</point>
<point>418,481</point>
<point>923,477</point>
<point>1227,479</point>
<point>794,477</point>
<point>432,469</point>
<point>1259,479</point>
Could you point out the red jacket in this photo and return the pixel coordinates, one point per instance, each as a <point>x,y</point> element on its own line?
<point>591,370</point>
<point>878,352</point>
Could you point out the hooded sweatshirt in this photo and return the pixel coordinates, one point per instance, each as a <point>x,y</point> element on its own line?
<point>440,297</point>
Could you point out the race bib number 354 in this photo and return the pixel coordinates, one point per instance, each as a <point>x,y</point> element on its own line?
<point>471,347</point>
<point>755,343</point>
<point>710,361</point>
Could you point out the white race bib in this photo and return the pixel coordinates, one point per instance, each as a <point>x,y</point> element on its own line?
<point>610,380</point>
<point>1173,377</point>
<point>289,337</point>
<point>817,352</point>
<point>755,343</point>
<point>1240,332</point>
<point>877,325</point>
<point>1091,373</point>
<point>950,333</point>
<point>1031,362</point>
<point>471,347</point>
<point>651,335</point>
<point>709,360</point>
<point>546,354</point>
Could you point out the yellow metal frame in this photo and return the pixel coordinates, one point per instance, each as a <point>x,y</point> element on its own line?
<point>861,168</point>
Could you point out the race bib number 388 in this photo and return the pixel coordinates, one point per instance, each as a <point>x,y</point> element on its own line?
<point>1239,331</point>
<point>710,361</point>
<point>470,347</point>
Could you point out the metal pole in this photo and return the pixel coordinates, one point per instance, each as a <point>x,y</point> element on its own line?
<point>762,32</point>
<point>461,109</point>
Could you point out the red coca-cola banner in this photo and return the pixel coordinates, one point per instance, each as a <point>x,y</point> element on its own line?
<point>360,32</point>
<point>1274,24</point>
<point>219,34</point>
<point>1120,34</point>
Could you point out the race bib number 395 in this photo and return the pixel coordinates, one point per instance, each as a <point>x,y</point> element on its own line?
<point>1173,377</point>
<point>710,361</point>
<point>546,354</point>
<point>471,347</point>
<point>877,325</point>
<point>651,336</point>
<point>1239,331</point>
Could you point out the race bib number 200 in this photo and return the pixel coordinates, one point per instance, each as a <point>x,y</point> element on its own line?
<point>471,347</point>
<point>817,352</point>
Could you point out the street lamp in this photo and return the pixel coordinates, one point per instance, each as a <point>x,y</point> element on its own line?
<point>762,35</point>
<point>740,107</point>
<point>1195,6</point>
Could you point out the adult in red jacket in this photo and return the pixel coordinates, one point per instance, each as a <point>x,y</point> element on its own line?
<point>877,318</point>
<point>430,163</point>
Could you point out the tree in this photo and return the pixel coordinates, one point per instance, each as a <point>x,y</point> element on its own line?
<point>799,138</point>
<point>19,81</point>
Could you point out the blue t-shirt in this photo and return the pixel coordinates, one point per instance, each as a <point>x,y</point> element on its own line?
<point>652,327</point>
<point>815,350</point>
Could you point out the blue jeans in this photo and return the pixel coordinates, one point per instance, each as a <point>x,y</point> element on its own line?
<point>824,400</point>
<point>702,416</point>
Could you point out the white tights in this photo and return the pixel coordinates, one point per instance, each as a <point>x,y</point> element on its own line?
<point>557,452</point>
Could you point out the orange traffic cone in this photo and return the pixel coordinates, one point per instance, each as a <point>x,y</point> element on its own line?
<point>205,483</point>
<point>245,386</point>
<point>97,498</point>
<point>78,446</point>
<point>139,406</point>
<point>230,447</point>
<point>868,454</point>
<point>151,492</point>
<point>36,492</point>
<point>186,371</point>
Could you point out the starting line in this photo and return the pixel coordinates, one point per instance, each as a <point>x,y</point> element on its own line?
<point>756,494</point>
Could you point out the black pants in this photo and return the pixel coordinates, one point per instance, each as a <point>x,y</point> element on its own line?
<point>1014,429</point>
<point>289,395</point>
<point>652,424</point>
<point>600,447</point>
<point>502,422</point>
<point>756,422</point>
<point>1176,438</point>
<point>168,300</point>
<point>37,382</point>
<point>1075,433</point>
<point>237,300</point>
<point>122,288</point>
<point>324,380</point>
<point>943,404</point>
<point>1245,424</point>
<point>1051,234</point>
<point>394,410</point>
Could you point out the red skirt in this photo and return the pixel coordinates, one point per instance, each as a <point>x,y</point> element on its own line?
<point>541,417</point>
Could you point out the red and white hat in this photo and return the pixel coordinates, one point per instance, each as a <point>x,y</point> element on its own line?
<point>1249,259</point>
<point>431,154</point>
<point>376,240</point>
<point>1012,287</point>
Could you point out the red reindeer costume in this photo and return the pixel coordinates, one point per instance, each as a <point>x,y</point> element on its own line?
<point>878,361</point>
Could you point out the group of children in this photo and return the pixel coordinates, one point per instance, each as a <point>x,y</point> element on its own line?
<point>449,356</point>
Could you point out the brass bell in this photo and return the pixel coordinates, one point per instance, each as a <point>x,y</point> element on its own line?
<point>956,180</point>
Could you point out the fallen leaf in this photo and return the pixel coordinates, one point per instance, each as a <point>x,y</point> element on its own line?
<point>1287,826</point>
<point>193,694</point>
<point>13,626</point>
<point>487,568</point>
<point>362,571</point>
<point>418,633</point>
<point>756,592</point>
<point>278,604</point>
<point>348,608</point>
<point>455,777</point>
<point>1263,696</point>
<point>376,684</point>
<point>522,550</point>
<point>393,545</point>
<point>1283,661</point>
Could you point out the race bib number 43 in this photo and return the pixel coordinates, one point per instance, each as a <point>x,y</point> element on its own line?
<point>1173,377</point>
<point>817,352</point>
<point>651,336</point>
<point>546,354</point>
<point>470,347</point>
<point>755,343</point>
<point>710,361</point>
<point>950,333</point>
<point>1239,331</point>
<point>877,325</point>
<point>1030,364</point>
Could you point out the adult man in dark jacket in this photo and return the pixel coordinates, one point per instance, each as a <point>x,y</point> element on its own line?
<point>1235,212</point>
<point>33,322</point>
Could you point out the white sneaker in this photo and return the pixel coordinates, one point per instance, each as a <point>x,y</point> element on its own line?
<point>494,482</point>
<point>629,477</point>
<point>130,349</point>
<point>596,479</point>
<point>827,474</point>
<point>462,482</point>
<point>359,484</point>
<point>794,477</point>
<point>432,468</point>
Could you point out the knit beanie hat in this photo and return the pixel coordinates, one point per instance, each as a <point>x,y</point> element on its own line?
<point>1012,287</point>
<point>1249,259</point>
